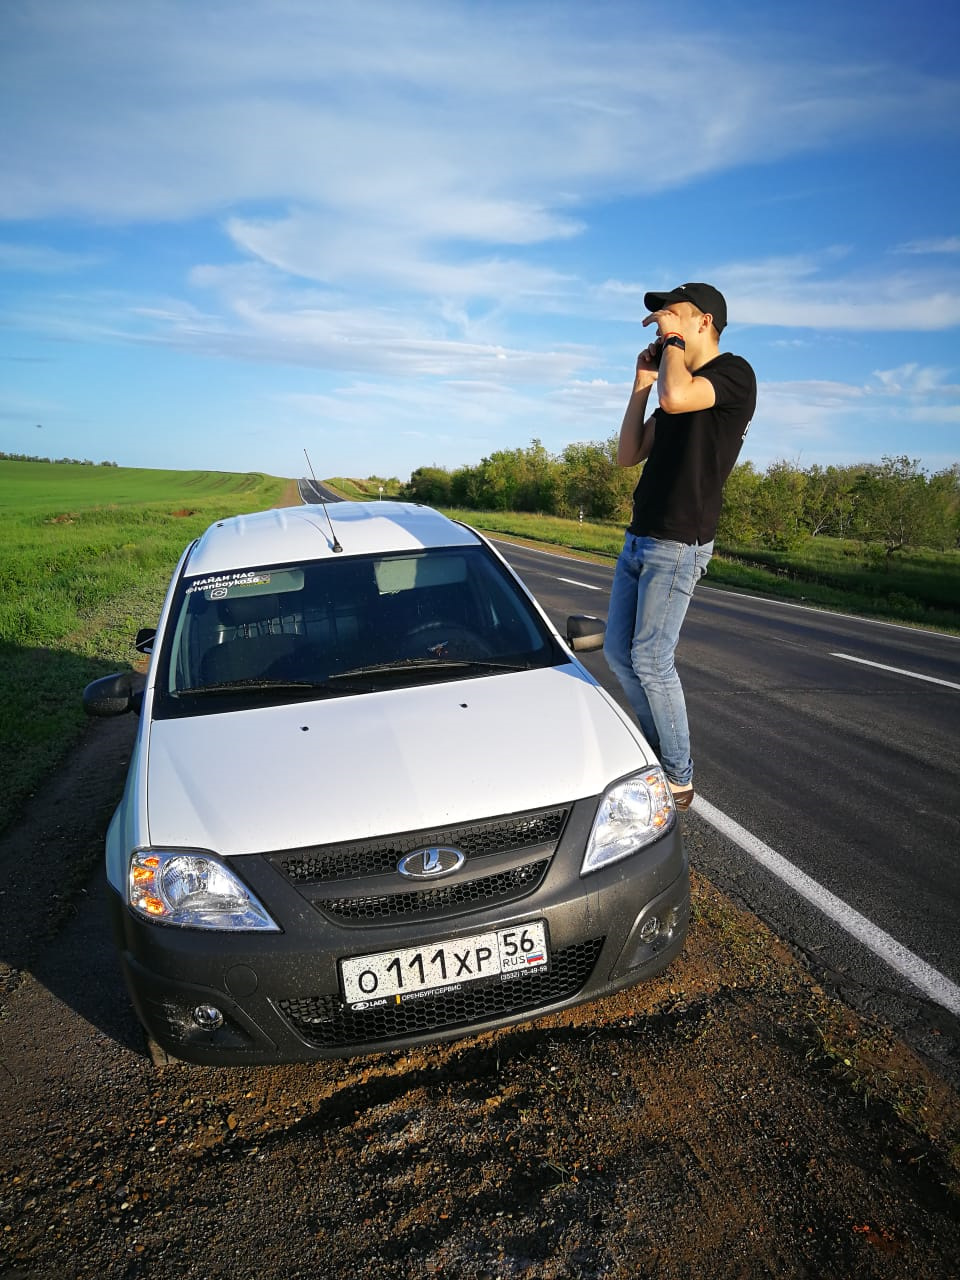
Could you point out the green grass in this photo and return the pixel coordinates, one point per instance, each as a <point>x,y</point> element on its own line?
<point>86,554</point>
<point>55,487</point>
<point>915,586</point>
<point>593,537</point>
<point>361,490</point>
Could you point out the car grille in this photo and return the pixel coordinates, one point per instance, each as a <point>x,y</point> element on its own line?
<point>485,891</point>
<point>359,858</point>
<point>327,1023</point>
<point>331,877</point>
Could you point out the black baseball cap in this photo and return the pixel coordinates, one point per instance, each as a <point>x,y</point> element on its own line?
<point>703,296</point>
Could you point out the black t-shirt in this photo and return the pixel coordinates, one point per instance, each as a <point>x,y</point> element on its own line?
<point>680,489</point>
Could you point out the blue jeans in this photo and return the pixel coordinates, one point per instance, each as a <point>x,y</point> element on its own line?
<point>652,586</point>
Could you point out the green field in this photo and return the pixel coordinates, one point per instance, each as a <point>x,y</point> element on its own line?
<point>86,554</point>
<point>916,585</point>
<point>85,557</point>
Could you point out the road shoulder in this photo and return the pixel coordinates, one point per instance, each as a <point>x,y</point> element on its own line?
<point>730,1118</point>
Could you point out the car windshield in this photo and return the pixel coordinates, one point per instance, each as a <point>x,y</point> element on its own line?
<point>345,625</point>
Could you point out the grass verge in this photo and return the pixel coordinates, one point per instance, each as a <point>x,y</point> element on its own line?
<point>86,554</point>
<point>916,586</point>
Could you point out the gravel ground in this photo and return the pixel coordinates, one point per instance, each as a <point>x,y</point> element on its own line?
<point>730,1119</point>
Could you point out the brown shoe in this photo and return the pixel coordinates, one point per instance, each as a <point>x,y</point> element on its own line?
<point>682,794</point>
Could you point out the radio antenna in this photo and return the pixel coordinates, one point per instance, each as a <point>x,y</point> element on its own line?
<point>316,487</point>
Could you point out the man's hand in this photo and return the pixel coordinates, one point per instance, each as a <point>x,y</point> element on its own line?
<point>648,364</point>
<point>669,321</point>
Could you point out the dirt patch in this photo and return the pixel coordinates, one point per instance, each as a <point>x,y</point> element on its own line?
<point>290,496</point>
<point>728,1120</point>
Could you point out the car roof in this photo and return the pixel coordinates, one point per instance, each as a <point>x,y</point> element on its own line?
<point>286,534</point>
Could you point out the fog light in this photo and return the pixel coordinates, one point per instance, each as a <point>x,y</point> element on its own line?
<point>208,1017</point>
<point>649,929</point>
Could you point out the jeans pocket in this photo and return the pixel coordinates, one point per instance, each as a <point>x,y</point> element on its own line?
<point>687,571</point>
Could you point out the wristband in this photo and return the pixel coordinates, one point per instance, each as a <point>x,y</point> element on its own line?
<point>674,340</point>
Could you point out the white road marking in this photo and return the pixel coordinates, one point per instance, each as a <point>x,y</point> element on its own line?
<point>897,671</point>
<point>574,583</point>
<point>824,612</point>
<point>731,595</point>
<point>553,555</point>
<point>931,982</point>
<point>921,975</point>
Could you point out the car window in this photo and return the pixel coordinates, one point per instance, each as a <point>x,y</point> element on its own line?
<point>423,613</point>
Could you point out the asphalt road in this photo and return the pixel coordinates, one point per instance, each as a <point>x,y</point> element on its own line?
<point>709,1132</point>
<point>313,491</point>
<point>833,744</point>
<point>851,772</point>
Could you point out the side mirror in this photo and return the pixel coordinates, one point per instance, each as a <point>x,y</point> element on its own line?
<point>585,632</point>
<point>145,639</point>
<point>114,695</point>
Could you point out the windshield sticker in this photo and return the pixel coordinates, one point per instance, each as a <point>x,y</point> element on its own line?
<point>246,582</point>
<point>222,582</point>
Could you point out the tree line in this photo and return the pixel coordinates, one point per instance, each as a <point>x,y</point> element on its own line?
<point>891,504</point>
<point>74,462</point>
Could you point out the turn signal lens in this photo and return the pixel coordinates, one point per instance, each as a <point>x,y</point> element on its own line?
<point>194,890</point>
<point>633,813</point>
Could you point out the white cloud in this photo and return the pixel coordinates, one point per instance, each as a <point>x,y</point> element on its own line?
<point>38,259</point>
<point>449,423</point>
<point>334,251</point>
<point>391,198</point>
<point>824,395</point>
<point>947,244</point>
<point>444,116</point>
<point>842,422</point>
<point>916,380</point>
<point>812,292</point>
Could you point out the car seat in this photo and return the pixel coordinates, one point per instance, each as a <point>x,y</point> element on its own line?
<point>251,642</point>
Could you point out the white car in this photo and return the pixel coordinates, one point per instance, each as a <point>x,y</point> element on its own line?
<point>375,799</point>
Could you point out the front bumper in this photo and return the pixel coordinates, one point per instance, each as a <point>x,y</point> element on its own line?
<point>279,996</point>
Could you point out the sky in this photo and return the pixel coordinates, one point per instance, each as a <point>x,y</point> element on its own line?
<point>413,233</point>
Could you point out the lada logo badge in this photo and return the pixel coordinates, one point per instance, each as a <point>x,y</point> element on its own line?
<point>426,864</point>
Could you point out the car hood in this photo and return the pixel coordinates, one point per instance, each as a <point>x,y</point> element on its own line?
<point>284,777</point>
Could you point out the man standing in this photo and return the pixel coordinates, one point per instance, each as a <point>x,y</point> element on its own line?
<point>690,445</point>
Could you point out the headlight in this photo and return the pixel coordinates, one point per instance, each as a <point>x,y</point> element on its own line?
<point>633,813</point>
<point>192,889</point>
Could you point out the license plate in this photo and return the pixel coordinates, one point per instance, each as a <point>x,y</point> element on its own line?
<point>391,977</point>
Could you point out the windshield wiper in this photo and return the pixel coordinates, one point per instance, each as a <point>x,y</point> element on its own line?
<point>356,675</point>
<point>253,686</point>
<point>431,664</point>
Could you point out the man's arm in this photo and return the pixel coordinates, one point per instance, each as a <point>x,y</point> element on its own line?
<point>680,391</point>
<point>636,435</point>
